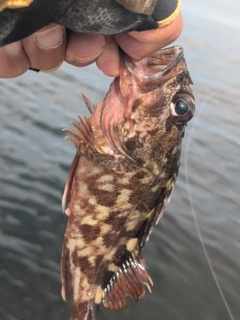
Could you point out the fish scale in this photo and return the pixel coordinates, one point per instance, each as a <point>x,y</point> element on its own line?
<point>121,178</point>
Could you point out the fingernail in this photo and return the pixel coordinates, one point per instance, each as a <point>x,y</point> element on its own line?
<point>84,61</point>
<point>53,69</point>
<point>13,48</point>
<point>50,38</point>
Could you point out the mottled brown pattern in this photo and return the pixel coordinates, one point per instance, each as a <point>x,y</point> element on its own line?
<point>156,150</point>
<point>86,268</point>
<point>116,220</point>
<point>141,206</point>
<point>105,198</point>
<point>137,198</point>
<point>84,202</point>
<point>103,276</point>
<point>139,175</point>
<point>121,252</point>
<point>131,144</point>
<point>84,310</point>
<point>128,160</point>
<point>172,163</point>
<point>108,239</point>
<point>99,259</point>
<point>156,108</point>
<point>137,103</point>
<point>169,124</point>
<point>152,132</point>
<point>89,233</point>
<point>150,199</point>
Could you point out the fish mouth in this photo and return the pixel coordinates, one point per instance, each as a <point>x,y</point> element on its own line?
<point>155,66</point>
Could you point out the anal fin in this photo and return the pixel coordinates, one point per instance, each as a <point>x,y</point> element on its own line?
<point>128,281</point>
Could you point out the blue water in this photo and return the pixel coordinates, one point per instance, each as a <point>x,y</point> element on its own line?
<point>34,161</point>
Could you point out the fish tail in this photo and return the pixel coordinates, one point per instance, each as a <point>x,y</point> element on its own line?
<point>87,310</point>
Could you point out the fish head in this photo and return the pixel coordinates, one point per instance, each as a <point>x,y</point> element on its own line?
<point>143,116</point>
<point>158,103</point>
<point>161,79</point>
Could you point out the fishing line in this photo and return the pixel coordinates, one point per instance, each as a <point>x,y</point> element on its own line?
<point>195,216</point>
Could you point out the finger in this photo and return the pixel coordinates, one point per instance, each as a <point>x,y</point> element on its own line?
<point>140,44</point>
<point>46,48</point>
<point>83,49</point>
<point>13,60</point>
<point>163,35</point>
<point>108,61</point>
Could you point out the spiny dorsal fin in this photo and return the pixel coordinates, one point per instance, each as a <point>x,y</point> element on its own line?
<point>89,103</point>
<point>82,137</point>
<point>128,281</point>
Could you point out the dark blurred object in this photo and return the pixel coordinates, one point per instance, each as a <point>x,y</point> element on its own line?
<point>21,18</point>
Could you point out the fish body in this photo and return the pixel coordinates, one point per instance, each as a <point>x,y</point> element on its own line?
<point>127,161</point>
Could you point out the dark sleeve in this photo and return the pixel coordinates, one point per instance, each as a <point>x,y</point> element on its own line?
<point>87,16</point>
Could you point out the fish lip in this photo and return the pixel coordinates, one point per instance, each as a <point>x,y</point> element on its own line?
<point>134,67</point>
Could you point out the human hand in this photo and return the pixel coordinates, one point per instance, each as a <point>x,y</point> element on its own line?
<point>50,46</point>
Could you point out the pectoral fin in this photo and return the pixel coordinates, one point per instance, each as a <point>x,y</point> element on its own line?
<point>155,216</point>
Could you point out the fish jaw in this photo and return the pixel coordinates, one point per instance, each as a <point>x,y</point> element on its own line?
<point>154,70</point>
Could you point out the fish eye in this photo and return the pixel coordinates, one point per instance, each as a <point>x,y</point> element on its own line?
<point>182,108</point>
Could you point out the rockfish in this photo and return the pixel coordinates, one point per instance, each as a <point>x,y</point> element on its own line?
<point>121,178</point>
